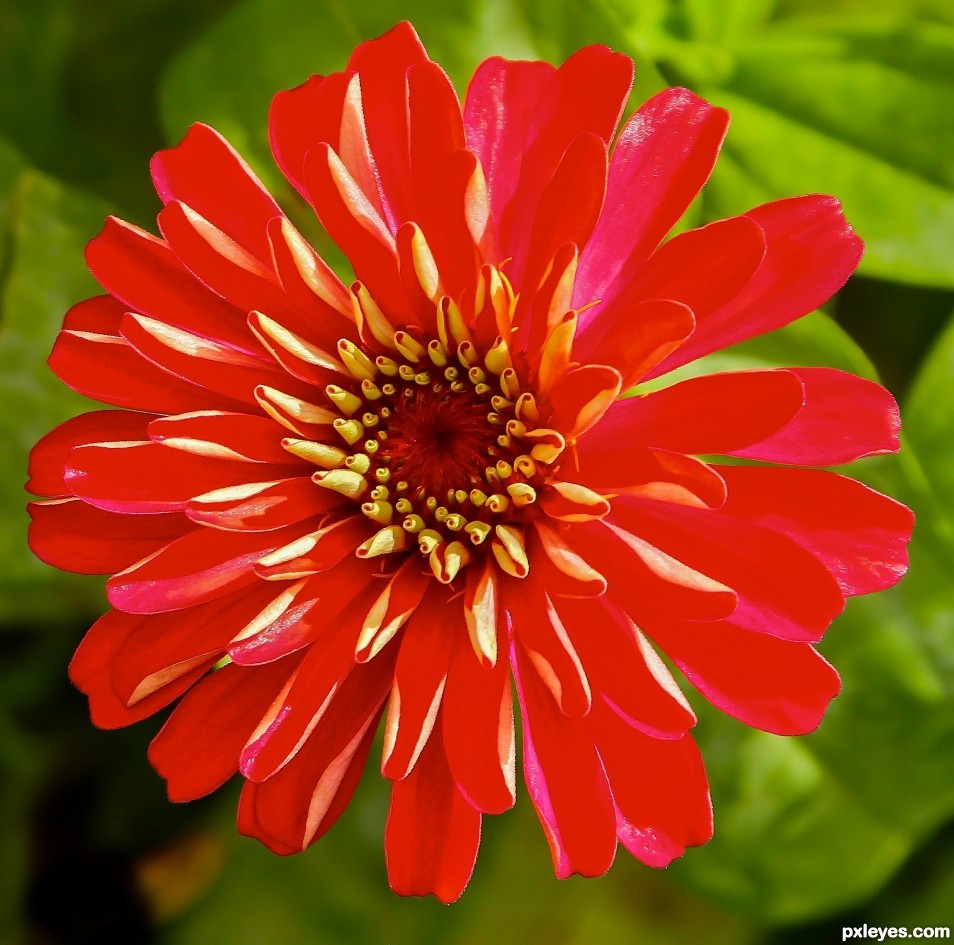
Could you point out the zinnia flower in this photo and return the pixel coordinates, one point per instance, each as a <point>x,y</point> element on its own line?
<point>322,505</point>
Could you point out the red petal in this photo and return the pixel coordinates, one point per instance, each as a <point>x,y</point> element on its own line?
<point>205,172</point>
<point>544,642</point>
<point>202,566</point>
<point>142,271</point>
<point>322,303</point>
<point>585,95</point>
<point>217,261</point>
<point>382,64</point>
<point>261,506</point>
<point>327,667</point>
<point>92,666</point>
<point>844,418</point>
<point>74,536</point>
<point>109,369</point>
<point>197,750</point>
<point>432,834</point>
<point>659,786</point>
<point>300,118</point>
<point>703,269</point>
<point>215,367</point>
<point>662,158</point>
<point>582,396</point>
<point>99,315</point>
<point>565,779</point>
<point>419,678</point>
<point>635,338</point>
<point>625,671</point>
<point>355,226</point>
<point>616,466</point>
<point>321,550</point>
<point>478,729</point>
<point>501,103</point>
<point>152,477</point>
<point>810,252</point>
<point>641,576</point>
<point>715,413</point>
<point>224,435</point>
<point>163,646</point>
<point>48,457</point>
<point>783,590</point>
<point>860,535</point>
<point>435,132</point>
<point>569,207</point>
<point>771,684</point>
<point>301,802</point>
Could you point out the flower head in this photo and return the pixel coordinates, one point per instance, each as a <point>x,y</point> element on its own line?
<point>322,505</point>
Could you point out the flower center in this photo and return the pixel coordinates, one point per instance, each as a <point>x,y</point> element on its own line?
<point>441,449</point>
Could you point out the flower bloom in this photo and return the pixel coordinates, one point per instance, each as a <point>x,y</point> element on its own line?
<point>322,505</point>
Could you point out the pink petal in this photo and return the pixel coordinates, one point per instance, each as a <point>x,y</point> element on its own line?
<point>715,413</point>
<point>662,158</point>
<point>860,535</point>
<point>565,779</point>
<point>783,590</point>
<point>501,103</point>
<point>659,788</point>
<point>844,418</point>
<point>774,685</point>
<point>810,252</point>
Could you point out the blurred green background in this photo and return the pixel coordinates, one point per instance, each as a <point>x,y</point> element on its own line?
<point>852,824</point>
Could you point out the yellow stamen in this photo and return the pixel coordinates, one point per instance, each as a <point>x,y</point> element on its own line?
<point>328,457</point>
<point>344,400</point>
<point>389,539</point>
<point>346,482</point>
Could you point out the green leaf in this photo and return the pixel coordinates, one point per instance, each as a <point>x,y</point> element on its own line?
<point>44,227</point>
<point>929,417</point>
<point>852,108</point>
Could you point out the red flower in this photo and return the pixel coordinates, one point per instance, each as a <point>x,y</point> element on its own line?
<point>322,503</point>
